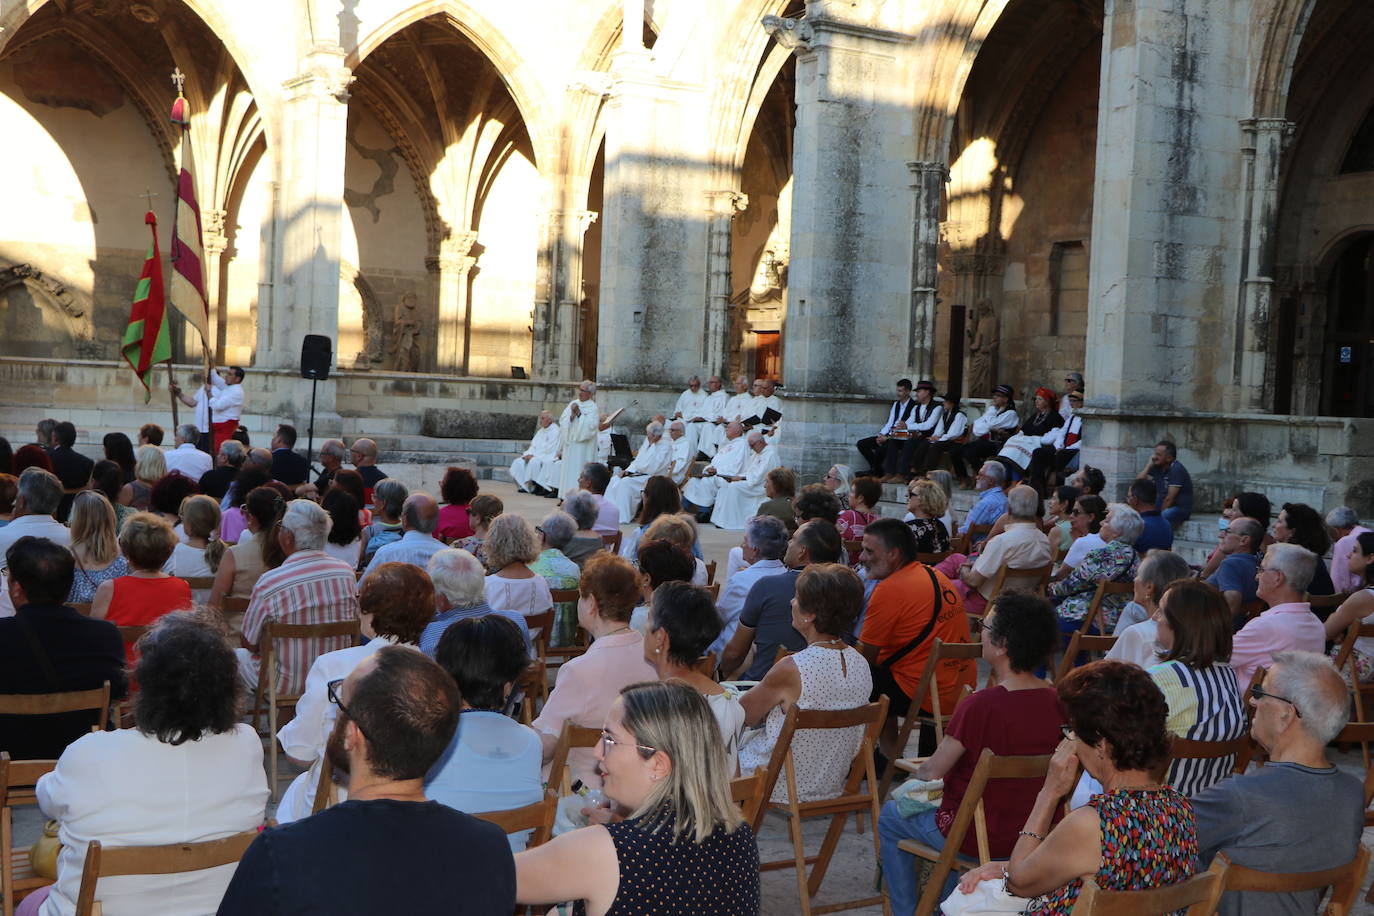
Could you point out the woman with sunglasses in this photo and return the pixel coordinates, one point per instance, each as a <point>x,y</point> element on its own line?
<point>1085,521</point>
<point>1134,835</point>
<point>683,847</point>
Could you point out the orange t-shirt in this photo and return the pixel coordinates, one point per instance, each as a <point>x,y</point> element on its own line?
<point>898,610</point>
<point>138,602</point>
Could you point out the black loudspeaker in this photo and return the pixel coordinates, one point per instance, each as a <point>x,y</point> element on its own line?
<point>316,355</point>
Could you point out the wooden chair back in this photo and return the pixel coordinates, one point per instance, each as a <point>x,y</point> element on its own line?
<point>1078,644</point>
<point>557,655</point>
<point>572,737</point>
<point>710,572</point>
<point>714,589</point>
<point>611,542</point>
<point>1094,614</point>
<point>1324,603</point>
<point>960,543</point>
<point>97,699</point>
<point>172,859</point>
<point>932,559</point>
<point>1039,574</point>
<point>1253,608</point>
<point>18,777</point>
<point>537,817</point>
<point>747,792</point>
<point>81,607</point>
<point>1185,749</point>
<point>853,547</point>
<point>1061,550</point>
<point>1197,895</point>
<point>131,634</point>
<point>707,664</point>
<point>325,796</point>
<point>204,583</point>
<point>927,695</point>
<point>976,534</point>
<point>540,627</point>
<point>1343,880</point>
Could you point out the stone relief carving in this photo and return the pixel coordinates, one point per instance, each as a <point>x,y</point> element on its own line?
<point>405,331</point>
<point>770,277</point>
<point>73,328</point>
<point>983,339</point>
<point>790,33</point>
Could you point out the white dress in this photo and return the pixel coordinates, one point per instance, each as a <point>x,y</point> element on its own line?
<point>821,756</point>
<point>702,491</point>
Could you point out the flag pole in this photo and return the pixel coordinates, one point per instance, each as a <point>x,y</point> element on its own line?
<point>180,117</point>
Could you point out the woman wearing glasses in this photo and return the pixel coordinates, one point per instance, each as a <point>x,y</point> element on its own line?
<point>838,480</point>
<point>683,847</point>
<point>1136,834</point>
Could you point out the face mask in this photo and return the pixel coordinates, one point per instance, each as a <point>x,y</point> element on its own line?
<point>1223,524</point>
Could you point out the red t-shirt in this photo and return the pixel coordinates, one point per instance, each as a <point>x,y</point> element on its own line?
<point>898,610</point>
<point>454,524</point>
<point>1010,723</point>
<point>138,602</point>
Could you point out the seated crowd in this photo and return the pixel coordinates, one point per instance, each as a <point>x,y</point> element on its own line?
<point>453,696</point>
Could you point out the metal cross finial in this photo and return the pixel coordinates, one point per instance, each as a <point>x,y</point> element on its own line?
<point>178,79</point>
<point>148,195</point>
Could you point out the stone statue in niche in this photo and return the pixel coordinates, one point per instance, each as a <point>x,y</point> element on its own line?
<point>405,335</point>
<point>770,278</point>
<point>982,335</point>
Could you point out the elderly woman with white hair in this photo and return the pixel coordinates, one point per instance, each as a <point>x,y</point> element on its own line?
<point>838,481</point>
<point>583,507</point>
<point>460,592</point>
<point>512,544</point>
<point>655,457</point>
<point>556,531</point>
<point>1115,561</point>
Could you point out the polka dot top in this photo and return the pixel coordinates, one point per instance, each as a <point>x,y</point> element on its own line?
<point>667,877</point>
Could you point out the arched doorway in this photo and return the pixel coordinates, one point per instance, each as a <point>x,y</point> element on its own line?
<point>1348,382</point>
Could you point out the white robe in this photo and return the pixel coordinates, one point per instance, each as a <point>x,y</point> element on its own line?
<point>680,460</point>
<point>736,408</point>
<point>729,461</point>
<point>739,501</point>
<point>712,433</point>
<point>757,408</point>
<point>543,448</point>
<point>653,458</point>
<point>692,404</point>
<point>579,443</point>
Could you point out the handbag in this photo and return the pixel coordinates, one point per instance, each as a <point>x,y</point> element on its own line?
<point>43,853</point>
<point>989,898</point>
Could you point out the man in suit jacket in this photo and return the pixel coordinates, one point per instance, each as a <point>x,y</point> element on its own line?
<point>288,467</point>
<point>47,647</point>
<point>70,466</point>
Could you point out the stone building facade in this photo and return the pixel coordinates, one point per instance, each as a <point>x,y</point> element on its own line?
<point>481,202</point>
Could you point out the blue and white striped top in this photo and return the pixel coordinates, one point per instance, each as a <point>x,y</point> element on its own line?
<point>1204,705</point>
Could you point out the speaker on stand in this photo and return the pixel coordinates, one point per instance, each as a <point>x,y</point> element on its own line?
<point>317,352</point>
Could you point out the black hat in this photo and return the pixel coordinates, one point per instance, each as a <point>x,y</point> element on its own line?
<point>1003,390</point>
<point>949,398</point>
<point>926,384</point>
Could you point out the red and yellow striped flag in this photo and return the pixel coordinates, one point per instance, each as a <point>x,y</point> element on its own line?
<point>188,284</point>
<point>146,339</point>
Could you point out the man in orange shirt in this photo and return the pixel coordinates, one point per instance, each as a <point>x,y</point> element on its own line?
<point>911,607</point>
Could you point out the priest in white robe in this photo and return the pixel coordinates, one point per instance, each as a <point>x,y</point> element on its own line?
<point>655,457</point>
<point>712,432</point>
<point>530,467</point>
<point>736,408</point>
<point>580,422</point>
<point>682,454</point>
<point>764,400</point>
<point>691,410</point>
<point>700,492</point>
<point>742,495</point>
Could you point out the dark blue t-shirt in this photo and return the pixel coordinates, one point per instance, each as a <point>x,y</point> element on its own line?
<point>768,611</point>
<point>1237,574</point>
<point>1176,475</point>
<point>1157,534</point>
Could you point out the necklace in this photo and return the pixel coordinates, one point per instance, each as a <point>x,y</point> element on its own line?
<point>624,629</point>
<point>824,642</point>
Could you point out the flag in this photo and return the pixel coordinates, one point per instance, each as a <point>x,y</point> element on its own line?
<point>188,284</point>
<point>146,339</point>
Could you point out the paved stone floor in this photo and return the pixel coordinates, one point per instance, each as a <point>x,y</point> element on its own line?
<point>852,872</point>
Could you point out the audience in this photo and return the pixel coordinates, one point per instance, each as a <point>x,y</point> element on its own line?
<point>864,495</point>
<point>838,480</point>
<point>1115,561</point>
<point>1289,624</point>
<point>363,455</point>
<point>234,519</point>
<point>512,545</point>
<point>419,518</point>
<point>661,497</point>
<point>1085,523</point>
<point>816,501</point>
<point>308,587</point>
<point>1358,608</point>
<point>352,482</point>
<point>150,467</point>
<point>150,434</point>
<point>1345,528</point>
<point>47,647</point>
<point>394,608</point>
<point>992,500</point>
<point>244,563</point>
<point>1138,625</point>
<point>1296,812</point>
<point>1238,547</point>
<point>168,495</point>
<point>188,772</point>
<point>1157,534</point>
<point>1056,521</point>
<point>198,554</point>
<point>556,531</point>
<point>665,769</point>
<point>588,685</point>
<point>388,501</point>
<point>458,488</point>
<point>482,512</point>
<point>945,480</point>
<point>927,505</point>
<point>70,466</point>
<point>95,546</point>
<point>1137,834</point>
<point>398,711</point>
<point>345,542</point>
<point>660,561</point>
<point>185,457</point>
<point>594,479</point>
<point>1018,716</point>
<point>586,540</point>
<point>31,456</point>
<point>39,493</point>
<point>493,762</point>
<point>105,479</point>
<point>764,544</point>
<point>288,467</point>
<point>146,592</point>
<point>1173,485</point>
<point>780,486</point>
<point>460,584</point>
<point>680,531</point>
<point>217,481</point>
<point>6,457</point>
<point>9,489</point>
<point>911,607</point>
<point>1302,525</point>
<point>1021,545</point>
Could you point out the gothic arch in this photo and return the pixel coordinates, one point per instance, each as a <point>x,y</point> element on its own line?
<point>956,41</point>
<point>1283,35</point>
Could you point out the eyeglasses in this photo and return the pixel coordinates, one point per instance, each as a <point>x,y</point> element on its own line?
<point>538,529</point>
<point>608,742</point>
<point>333,690</point>
<point>1259,693</point>
<point>1077,511</point>
<point>832,477</point>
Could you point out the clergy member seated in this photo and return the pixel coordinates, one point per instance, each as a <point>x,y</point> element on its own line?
<point>691,409</point>
<point>700,493</point>
<point>712,432</point>
<point>532,465</point>
<point>680,451</point>
<point>743,493</point>
<point>655,457</point>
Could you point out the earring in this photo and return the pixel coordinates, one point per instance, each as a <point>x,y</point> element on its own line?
<point>658,651</point>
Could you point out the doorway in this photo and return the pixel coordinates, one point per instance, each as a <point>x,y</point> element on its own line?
<point>1348,357</point>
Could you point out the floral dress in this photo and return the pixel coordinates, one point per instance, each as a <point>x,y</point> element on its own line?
<point>560,573</point>
<point>931,535</point>
<point>1148,841</point>
<point>1113,562</point>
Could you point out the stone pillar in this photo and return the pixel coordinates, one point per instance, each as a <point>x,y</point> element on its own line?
<point>715,351</point>
<point>215,244</point>
<point>849,281</point>
<point>1265,141</point>
<point>558,309</point>
<point>451,268</point>
<point>927,181</point>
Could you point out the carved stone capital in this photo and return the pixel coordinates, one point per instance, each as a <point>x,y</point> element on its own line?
<point>584,219</point>
<point>790,33</point>
<point>975,263</point>
<point>322,81</point>
<point>922,171</point>
<point>212,230</point>
<point>457,245</point>
<point>726,203</point>
<point>593,82</point>
<point>55,289</point>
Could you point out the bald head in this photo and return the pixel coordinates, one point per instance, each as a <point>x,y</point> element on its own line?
<point>420,513</point>
<point>364,453</point>
<point>734,430</point>
<point>260,458</point>
<point>1022,502</point>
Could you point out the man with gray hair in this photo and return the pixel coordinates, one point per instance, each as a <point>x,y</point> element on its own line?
<point>692,410</point>
<point>740,498</point>
<point>764,544</point>
<point>460,583</point>
<point>332,455</point>
<point>308,587</point>
<point>1021,545</point>
<point>40,493</point>
<point>185,459</point>
<point>992,502</point>
<point>1345,529</point>
<point>536,461</point>
<point>1239,546</point>
<point>1297,812</point>
<point>1289,624</point>
<point>217,481</point>
<point>655,457</point>
<point>419,518</point>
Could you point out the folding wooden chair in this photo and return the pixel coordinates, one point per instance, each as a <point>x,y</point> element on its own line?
<point>926,690</point>
<point>325,796</point>
<point>1079,644</point>
<point>273,633</point>
<point>81,607</point>
<point>97,700</point>
<point>537,817</point>
<point>711,572</point>
<point>1198,895</point>
<point>714,589</point>
<point>1325,605</point>
<point>611,542</point>
<point>1041,575</point>
<point>747,792</point>
<point>1184,749</point>
<point>932,559</point>
<point>203,583</point>
<point>569,739</point>
<point>1095,614</point>
<point>1252,609</point>
<point>975,535</point>
<point>535,681</point>
<point>173,859</point>
<point>959,543</point>
<point>557,655</point>
<point>707,664</point>
<point>850,800</point>
<point>971,813</point>
<point>17,781</point>
<point>1344,881</point>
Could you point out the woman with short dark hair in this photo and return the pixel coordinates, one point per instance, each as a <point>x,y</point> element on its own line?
<point>345,534</point>
<point>458,489</point>
<point>1194,630</point>
<point>1299,523</point>
<point>1136,834</point>
<point>493,762</point>
<point>188,772</point>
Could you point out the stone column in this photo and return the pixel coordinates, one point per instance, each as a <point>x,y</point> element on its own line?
<point>451,267</point>
<point>1264,143</point>
<point>558,310</point>
<point>215,244</point>
<point>715,351</point>
<point>927,181</point>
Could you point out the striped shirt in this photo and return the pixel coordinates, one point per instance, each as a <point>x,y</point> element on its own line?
<point>308,587</point>
<point>1204,705</point>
